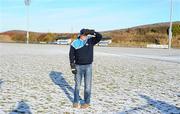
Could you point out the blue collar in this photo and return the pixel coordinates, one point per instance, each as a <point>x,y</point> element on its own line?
<point>78,43</point>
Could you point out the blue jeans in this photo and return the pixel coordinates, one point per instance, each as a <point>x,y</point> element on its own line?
<point>86,72</point>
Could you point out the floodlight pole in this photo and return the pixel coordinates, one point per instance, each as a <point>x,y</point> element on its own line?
<point>170,28</point>
<point>27,3</point>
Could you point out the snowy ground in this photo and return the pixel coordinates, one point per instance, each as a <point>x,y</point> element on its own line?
<point>125,80</point>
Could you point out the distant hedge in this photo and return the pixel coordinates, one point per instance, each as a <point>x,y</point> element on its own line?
<point>176,30</point>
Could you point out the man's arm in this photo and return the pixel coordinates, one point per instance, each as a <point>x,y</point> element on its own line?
<point>97,38</point>
<point>71,54</point>
<point>72,59</point>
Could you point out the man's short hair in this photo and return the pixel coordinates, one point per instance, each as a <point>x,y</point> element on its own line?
<point>84,31</point>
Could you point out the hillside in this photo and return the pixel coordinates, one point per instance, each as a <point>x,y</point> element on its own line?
<point>138,36</point>
<point>141,35</point>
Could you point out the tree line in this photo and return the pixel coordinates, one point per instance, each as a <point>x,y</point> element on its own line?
<point>44,37</point>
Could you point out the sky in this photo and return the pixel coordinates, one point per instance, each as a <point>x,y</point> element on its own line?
<point>72,15</point>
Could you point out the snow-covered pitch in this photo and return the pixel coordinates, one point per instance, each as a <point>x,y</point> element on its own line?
<point>125,80</point>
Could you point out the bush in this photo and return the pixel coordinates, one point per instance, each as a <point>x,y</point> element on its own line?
<point>19,37</point>
<point>176,30</point>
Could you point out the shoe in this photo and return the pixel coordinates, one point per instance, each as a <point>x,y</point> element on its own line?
<point>76,105</point>
<point>83,106</point>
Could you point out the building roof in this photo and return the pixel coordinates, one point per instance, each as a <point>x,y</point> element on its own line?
<point>106,38</point>
<point>62,37</point>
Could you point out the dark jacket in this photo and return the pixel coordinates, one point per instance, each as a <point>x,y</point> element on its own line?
<point>81,51</point>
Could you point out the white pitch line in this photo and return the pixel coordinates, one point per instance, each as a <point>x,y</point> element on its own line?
<point>174,59</point>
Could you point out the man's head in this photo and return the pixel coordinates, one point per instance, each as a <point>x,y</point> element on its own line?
<point>85,32</point>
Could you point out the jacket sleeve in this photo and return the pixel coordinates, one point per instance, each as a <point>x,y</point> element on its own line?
<point>72,54</point>
<point>97,38</point>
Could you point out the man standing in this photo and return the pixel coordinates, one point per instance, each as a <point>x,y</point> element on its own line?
<point>81,58</point>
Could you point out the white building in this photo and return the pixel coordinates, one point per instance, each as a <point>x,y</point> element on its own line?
<point>105,41</point>
<point>63,40</point>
